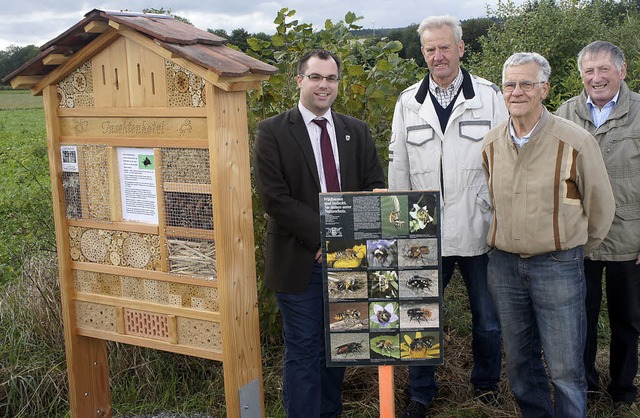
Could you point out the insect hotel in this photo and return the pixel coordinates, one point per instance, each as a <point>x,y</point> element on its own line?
<point>146,122</point>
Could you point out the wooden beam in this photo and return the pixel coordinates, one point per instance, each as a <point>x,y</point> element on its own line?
<point>96,26</point>
<point>24,82</point>
<point>76,60</point>
<point>55,59</point>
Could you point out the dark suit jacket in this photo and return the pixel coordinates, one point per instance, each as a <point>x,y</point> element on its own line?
<point>287,182</point>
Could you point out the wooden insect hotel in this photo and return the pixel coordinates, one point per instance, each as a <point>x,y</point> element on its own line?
<point>146,122</point>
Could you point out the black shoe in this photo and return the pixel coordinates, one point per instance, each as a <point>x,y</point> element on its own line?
<point>415,409</point>
<point>487,396</point>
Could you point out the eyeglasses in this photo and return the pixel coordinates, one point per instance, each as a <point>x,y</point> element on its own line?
<point>510,86</point>
<point>316,78</point>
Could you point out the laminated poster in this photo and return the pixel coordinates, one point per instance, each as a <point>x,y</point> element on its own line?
<point>382,278</point>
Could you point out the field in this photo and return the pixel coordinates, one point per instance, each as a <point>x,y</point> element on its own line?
<point>32,366</point>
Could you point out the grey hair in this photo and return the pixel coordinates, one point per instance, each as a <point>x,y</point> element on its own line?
<point>522,58</point>
<point>434,22</point>
<point>598,47</point>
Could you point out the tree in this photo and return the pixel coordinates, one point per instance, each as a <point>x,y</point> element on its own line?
<point>14,56</point>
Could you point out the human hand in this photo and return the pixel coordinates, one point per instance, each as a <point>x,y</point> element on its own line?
<point>319,256</point>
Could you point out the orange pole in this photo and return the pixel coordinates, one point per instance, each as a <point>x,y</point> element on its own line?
<point>387,397</point>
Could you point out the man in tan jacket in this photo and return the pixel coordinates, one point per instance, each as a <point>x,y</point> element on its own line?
<point>552,203</point>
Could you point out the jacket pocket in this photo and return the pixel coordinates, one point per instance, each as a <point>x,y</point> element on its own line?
<point>474,130</point>
<point>628,212</point>
<point>419,134</point>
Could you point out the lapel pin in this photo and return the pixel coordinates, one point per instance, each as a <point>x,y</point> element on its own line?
<point>347,137</point>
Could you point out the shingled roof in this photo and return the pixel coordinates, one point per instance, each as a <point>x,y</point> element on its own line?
<point>183,40</point>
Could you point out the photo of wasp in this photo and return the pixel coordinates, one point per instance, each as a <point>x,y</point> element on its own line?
<point>349,348</point>
<point>349,315</point>
<point>419,314</point>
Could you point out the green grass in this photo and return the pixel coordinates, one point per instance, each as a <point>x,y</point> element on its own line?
<point>25,197</point>
<point>19,99</point>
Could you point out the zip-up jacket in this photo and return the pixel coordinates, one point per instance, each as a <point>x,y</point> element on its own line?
<point>619,140</point>
<point>423,157</point>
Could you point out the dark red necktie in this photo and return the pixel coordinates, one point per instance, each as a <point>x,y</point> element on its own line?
<point>328,162</point>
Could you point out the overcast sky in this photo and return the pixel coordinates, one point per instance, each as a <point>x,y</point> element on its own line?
<point>36,22</point>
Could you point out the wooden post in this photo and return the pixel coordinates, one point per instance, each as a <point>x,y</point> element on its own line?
<point>233,228</point>
<point>387,396</point>
<point>89,393</point>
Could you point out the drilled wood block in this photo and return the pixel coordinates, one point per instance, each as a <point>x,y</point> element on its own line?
<point>95,316</point>
<point>200,334</point>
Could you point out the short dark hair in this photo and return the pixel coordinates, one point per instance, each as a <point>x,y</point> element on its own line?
<point>323,54</point>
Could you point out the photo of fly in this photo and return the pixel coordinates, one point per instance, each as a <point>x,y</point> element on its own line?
<point>422,215</point>
<point>420,345</point>
<point>417,252</point>
<point>346,254</point>
<point>418,283</point>
<point>382,253</point>
<point>347,284</point>
<point>419,315</point>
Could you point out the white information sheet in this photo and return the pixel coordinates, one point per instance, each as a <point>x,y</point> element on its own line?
<point>138,185</point>
<point>69,155</point>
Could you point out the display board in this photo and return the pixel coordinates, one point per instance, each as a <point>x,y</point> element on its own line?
<point>382,278</point>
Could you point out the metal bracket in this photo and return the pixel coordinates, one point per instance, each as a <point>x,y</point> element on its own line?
<point>249,396</point>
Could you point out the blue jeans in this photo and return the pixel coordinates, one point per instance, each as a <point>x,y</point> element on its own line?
<point>541,305</point>
<point>310,389</point>
<point>485,330</point>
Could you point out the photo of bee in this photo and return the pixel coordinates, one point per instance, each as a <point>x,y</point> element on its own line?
<point>349,347</point>
<point>418,283</point>
<point>419,315</point>
<point>417,252</point>
<point>420,345</point>
<point>346,254</point>
<point>394,216</point>
<point>383,284</point>
<point>384,346</point>
<point>383,316</point>
<point>382,253</point>
<point>347,284</point>
<point>422,214</point>
<point>349,316</point>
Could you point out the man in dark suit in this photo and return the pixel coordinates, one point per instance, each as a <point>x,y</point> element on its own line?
<point>291,168</point>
